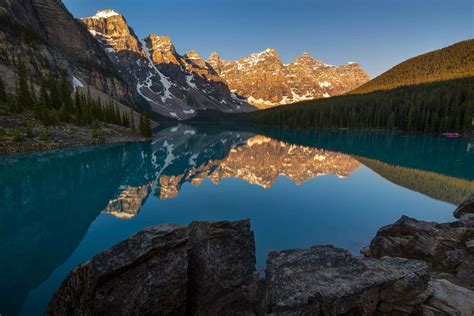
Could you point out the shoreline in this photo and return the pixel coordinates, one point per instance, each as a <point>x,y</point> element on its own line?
<point>16,139</point>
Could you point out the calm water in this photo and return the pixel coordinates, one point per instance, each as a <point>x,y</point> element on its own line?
<point>298,188</point>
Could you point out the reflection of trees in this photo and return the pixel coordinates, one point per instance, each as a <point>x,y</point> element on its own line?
<point>424,152</point>
<point>444,188</point>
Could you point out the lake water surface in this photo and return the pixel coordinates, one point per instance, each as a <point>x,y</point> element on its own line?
<point>298,188</point>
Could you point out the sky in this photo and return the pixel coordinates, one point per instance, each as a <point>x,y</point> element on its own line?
<point>376,33</point>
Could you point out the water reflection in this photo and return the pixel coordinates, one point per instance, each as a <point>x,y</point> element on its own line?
<point>180,155</point>
<point>52,201</point>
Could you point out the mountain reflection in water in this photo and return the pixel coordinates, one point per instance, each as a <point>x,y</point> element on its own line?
<point>298,188</point>
<point>257,160</point>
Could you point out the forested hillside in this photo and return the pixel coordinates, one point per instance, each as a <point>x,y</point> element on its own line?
<point>433,107</point>
<point>452,62</point>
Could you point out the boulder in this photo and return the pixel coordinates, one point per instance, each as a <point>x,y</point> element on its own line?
<point>447,247</point>
<point>448,299</point>
<point>221,271</point>
<point>207,269</point>
<point>407,238</point>
<point>146,274</point>
<point>465,211</point>
<point>324,280</point>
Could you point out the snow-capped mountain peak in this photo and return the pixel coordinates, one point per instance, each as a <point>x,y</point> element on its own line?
<point>104,14</point>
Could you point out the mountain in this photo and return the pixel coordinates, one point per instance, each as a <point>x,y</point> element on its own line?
<point>103,53</point>
<point>264,81</point>
<point>173,85</point>
<point>47,38</point>
<point>431,93</point>
<point>452,62</point>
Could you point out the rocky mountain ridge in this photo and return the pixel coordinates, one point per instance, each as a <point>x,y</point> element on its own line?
<point>173,85</point>
<point>49,40</point>
<point>103,53</point>
<point>184,84</point>
<point>264,81</point>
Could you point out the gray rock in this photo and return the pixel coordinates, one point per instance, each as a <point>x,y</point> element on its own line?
<point>207,269</point>
<point>407,238</point>
<point>222,278</point>
<point>444,246</point>
<point>465,210</point>
<point>448,299</point>
<point>146,274</point>
<point>324,280</point>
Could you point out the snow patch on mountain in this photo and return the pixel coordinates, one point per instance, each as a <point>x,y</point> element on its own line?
<point>76,83</point>
<point>104,14</point>
<point>164,81</point>
<point>189,79</point>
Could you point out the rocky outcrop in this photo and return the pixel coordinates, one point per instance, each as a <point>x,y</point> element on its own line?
<point>49,40</point>
<point>146,274</point>
<point>448,299</point>
<point>208,268</point>
<point>465,210</point>
<point>166,82</point>
<point>264,81</point>
<point>221,270</point>
<point>447,247</point>
<point>162,50</point>
<point>329,281</point>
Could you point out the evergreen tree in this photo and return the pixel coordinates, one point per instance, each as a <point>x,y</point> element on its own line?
<point>3,94</point>
<point>95,125</point>
<point>429,108</point>
<point>29,131</point>
<point>141,125</point>
<point>65,93</point>
<point>146,128</point>
<point>43,103</point>
<point>17,135</point>
<point>54,96</point>
<point>44,136</point>
<point>33,92</point>
<point>132,120</point>
<point>78,107</point>
<point>22,91</point>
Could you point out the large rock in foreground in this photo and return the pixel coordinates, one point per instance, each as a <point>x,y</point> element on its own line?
<point>448,299</point>
<point>207,268</point>
<point>465,211</point>
<point>146,274</point>
<point>448,247</point>
<point>324,280</point>
<point>221,271</point>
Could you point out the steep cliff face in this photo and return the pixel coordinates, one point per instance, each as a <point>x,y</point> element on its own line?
<point>170,84</point>
<point>265,81</point>
<point>48,39</point>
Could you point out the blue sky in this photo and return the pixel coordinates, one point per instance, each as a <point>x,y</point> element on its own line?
<point>378,34</point>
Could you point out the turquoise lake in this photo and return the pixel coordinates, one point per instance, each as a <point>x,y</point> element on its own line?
<point>298,188</point>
